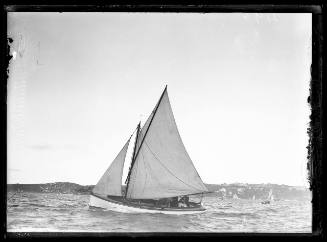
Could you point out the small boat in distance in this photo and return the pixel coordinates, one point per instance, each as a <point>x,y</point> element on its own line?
<point>235,196</point>
<point>269,199</point>
<point>161,177</point>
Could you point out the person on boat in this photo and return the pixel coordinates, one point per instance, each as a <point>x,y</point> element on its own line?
<point>181,203</point>
<point>170,201</point>
<point>184,202</point>
<point>174,202</point>
<point>187,200</point>
<point>163,202</point>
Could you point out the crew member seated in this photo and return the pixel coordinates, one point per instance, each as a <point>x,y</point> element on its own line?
<point>184,202</point>
<point>174,202</point>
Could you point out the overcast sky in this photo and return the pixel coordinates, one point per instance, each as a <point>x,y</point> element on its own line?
<point>80,82</point>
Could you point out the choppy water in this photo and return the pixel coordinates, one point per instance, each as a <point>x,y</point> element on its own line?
<point>47,212</point>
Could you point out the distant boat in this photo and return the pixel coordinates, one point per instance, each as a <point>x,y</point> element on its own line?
<point>269,199</point>
<point>235,196</point>
<point>161,176</point>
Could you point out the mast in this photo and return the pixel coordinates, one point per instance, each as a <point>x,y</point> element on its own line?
<point>134,157</point>
<point>136,139</point>
<point>133,160</point>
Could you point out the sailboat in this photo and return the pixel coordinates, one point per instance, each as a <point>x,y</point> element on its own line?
<point>235,196</point>
<point>161,176</point>
<point>269,199</point>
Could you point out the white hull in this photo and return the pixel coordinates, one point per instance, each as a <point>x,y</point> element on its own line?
<point>105,204</point>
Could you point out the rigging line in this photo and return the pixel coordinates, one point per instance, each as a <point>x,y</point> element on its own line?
<point>168,169</point>
<point>12,196</point>
<point>131,135</point>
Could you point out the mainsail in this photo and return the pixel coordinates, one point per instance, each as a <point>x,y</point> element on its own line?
<point>162,167</point>
<point>110,182</point>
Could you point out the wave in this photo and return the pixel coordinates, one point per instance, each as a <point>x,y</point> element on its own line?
<point>13,205</point>
<point>269,210</point>
<point>37,205</point>
<point>235,214</point>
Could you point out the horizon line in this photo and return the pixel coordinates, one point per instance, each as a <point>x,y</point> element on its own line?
<point>233,183</point>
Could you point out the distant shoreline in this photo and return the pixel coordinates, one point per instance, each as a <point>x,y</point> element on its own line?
<point>235,190</point>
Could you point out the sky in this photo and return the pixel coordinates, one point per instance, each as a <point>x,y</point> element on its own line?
<point>79,83</point>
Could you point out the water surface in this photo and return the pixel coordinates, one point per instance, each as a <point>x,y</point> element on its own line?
<point>50,212</point>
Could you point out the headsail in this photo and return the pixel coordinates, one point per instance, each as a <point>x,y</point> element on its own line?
<point>110,182</point>
<point>162,165</point>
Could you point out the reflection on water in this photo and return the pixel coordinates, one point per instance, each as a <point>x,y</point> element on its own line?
<point>36,212</point>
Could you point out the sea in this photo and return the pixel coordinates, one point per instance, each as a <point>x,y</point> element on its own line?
<point>54,212</point>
